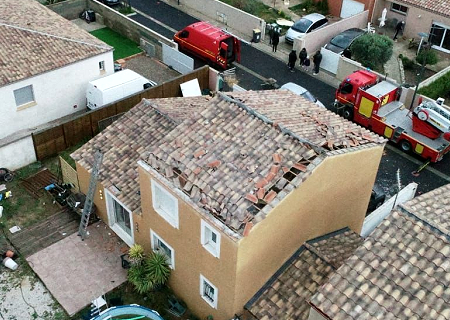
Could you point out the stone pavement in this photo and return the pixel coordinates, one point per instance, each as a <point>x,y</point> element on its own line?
<point>76,272</point>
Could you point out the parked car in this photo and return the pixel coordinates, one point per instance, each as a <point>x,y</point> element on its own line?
<point>305,25</point>
<point>377,198</point>
<point>110,2</point>
<point>343,40</point>
<point>299,90</point>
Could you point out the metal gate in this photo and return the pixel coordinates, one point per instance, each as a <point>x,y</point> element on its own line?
<point>330,60</point>
<point>177,60</point>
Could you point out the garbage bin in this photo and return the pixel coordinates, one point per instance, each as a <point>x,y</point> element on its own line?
<point>256,35</point>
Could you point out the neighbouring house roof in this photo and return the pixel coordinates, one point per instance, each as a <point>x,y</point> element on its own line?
<point>402,271</point>
<point>232,161</point>
<point>440,7</point>
<point>34,39</point>
<point>286,295</point>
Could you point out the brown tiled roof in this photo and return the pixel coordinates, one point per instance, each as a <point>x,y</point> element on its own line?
<point>402,270</point>
<point>125,141</point>
<point>441,7</point>
<point>285,296</point>
<point>305,119</point>
<point>34,39</point>
<point>232,163</point>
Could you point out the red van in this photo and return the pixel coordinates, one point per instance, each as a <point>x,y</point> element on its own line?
<point>210,43</point>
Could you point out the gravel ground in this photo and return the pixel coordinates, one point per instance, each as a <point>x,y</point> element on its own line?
<point>151,68</point>
<point>23,296</point>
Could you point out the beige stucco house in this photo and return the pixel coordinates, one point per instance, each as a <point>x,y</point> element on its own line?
<point>230,186</point>
<point>431,17</point>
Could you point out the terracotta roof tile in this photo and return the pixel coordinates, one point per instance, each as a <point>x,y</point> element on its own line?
<point>440,7</point>
<point>286,294</point>
<point>34,39</point>
<point>401,271</point>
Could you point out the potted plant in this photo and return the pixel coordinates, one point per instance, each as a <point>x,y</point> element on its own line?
<point>136,254</point>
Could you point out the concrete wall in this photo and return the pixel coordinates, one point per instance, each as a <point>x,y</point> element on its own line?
<point>129,28</point>
<point>218,11</point>
<point>18,153</point>
<point>315,40</point>
<point>416,20</point>
<point>334,196</point>
<point>69,9</point>
<point>57,93</point>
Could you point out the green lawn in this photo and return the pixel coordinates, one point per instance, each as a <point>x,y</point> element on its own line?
<point>123,47</point>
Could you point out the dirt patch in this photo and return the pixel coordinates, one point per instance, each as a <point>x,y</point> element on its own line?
<point>411,75</point>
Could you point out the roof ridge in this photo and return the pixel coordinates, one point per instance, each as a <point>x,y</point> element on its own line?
<point>318,149</point>
<point>316,252</point>
<point>55,36</point>
<point>422,218</point>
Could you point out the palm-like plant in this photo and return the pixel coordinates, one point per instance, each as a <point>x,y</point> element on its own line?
<point>136,254</point>
<point>137,276</point>
<point>157,268</point>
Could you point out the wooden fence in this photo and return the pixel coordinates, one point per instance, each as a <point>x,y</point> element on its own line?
<point>51,141</point>
<point>69,175</point>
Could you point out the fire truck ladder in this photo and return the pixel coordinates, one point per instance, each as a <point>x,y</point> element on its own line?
<point>87,209</point>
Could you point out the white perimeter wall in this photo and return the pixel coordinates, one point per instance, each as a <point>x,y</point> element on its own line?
<point>17,154</point>
<point>55,92</point>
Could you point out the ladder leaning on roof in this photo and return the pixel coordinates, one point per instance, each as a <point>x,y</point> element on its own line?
<point>87,209</point>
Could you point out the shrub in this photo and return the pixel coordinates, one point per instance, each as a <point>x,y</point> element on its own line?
<point>438,88</point>
<point>427,57</point>
<point>408,64</point>
<point>137,276</point>
<point>372,50</point>
<point>136,254</point>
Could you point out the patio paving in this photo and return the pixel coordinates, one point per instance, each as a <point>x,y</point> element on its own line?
<point>76,272</point>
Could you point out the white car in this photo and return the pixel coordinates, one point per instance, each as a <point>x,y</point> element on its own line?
<point>299,90</point>
<point>305,25</point>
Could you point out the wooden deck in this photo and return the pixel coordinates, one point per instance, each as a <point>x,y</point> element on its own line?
<point>45,233</point>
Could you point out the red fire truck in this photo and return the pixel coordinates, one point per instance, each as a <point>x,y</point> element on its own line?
<point>209,43</point>
<point>376,104</point>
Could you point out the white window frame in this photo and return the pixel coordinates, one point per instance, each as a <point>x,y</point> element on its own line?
<point>101,65</point>
<point>170,217</point>
<point>207,243</point>
<point>213,303</point>
<point>399,11</point>
<point>154,236</point>
<point>128,239</point>
<point>28,103</point>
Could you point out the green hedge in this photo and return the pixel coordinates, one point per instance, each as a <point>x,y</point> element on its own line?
<point>438,88</point>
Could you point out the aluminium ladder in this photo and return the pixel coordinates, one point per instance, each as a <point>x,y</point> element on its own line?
<point>87,209</point>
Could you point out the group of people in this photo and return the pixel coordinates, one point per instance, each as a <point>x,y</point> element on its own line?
<point>305,62</point>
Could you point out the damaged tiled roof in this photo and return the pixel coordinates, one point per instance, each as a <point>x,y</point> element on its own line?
<point>126,140</point>
<point>441,7</point>
<point>285,296</point>
<point>402,271</point>
<point>305,119</point>
<point>233,163</point>
<point>34,39</point>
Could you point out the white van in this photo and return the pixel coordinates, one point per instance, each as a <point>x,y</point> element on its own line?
<point>117,86</point>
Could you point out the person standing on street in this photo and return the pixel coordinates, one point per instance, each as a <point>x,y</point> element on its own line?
<point>292,60</point>
<point>275,40</point>
<point>317,59</point>
<point>302,56</point>
<point>306,64</point>
<point>399,28</point>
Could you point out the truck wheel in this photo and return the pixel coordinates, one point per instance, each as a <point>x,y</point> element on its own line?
<point>348,113</point>
<point>405,145</point>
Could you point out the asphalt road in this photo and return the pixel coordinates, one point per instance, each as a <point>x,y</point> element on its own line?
<point>256,65</point>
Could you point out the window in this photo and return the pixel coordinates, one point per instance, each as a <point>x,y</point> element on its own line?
<point>165,204</point>
<point>208,292</point>
<point>440,36</point>
<point>399,8</point>
<point>101,65</point>
<point>119,218</point>
<point>161,246</point>
<point>210,239</point>
<point>24,95</point>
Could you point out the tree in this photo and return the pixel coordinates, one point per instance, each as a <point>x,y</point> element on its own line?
<point>372,50</point>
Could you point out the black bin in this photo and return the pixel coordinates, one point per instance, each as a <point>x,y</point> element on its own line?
<point>256,35</point>
<point>91,15</point>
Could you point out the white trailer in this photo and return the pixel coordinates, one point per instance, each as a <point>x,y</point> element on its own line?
<point>114,87</point>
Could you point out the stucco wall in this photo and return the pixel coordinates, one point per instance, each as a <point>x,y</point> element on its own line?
<point>315,40</point>
<point>55,92</point>
<point>218,11</point>
<point>191,259</point>
<point>334,196</point>
<point>69,9</point>
<point>17,154</point>
<point>129,28</point>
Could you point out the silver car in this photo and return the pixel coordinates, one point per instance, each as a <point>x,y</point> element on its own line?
<point>299,90</point>
<point>305,25</point>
